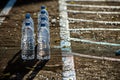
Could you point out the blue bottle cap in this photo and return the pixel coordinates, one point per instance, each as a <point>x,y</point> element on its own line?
<point>27,23</point>
<point>42,25</point>
<point>117,53</point>
<point>43,18</point>
<point>42,12</point>
<point>43,7</point>
<point>27,16</point>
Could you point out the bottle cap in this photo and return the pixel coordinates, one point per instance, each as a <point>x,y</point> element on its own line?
<point>27,16</point>
<point>42,12</point>
<point>43,18</point>
<point>42,25</point>
<point>43,7</point>
<point>117,53</point>
<point>27,23</point>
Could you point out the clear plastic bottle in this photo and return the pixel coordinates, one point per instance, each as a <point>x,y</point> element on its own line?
<point>43,48</point>
<point>43,21</point>
<point>43,16</point>
<point>43,7</point>
<point>28,19</point>
<point>27,42</point>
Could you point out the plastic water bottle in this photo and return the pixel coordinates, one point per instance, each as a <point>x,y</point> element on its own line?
<point>44,8</point>
<point>43,48</point>
<point>27,42</point>
<point>28,19</point>
<point>43,15</point>
<point>43,21</point>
